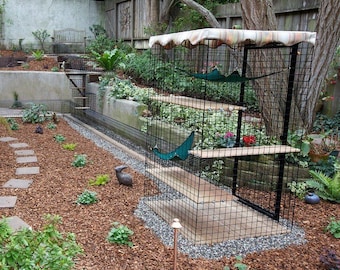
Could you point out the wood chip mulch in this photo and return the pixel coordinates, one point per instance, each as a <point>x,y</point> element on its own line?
<point>58,185</point>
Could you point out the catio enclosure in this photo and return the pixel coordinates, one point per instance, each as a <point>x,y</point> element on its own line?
<point>225,104</point>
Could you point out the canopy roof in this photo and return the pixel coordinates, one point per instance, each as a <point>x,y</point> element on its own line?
<point>214,37</point>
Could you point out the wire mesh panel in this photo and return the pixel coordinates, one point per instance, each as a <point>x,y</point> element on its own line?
<point>218,137</point>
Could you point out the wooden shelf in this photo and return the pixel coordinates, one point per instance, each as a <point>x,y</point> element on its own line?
<point>197,103</point>
<point>82,108</point>
<point>190,185</point>
<point>244,151</point>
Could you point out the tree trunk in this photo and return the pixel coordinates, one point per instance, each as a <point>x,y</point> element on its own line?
<point>259,15</point>
<point>327,40</point>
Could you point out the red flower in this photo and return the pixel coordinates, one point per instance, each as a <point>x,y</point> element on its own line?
<point>249,140</point>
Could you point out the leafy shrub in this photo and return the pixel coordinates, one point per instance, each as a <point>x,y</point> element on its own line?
<point>238,264</point>
<point>110,60</point>
<point>299,189</point>
<point>101,179</point>
<point>87,197</point>
<point>13,124</point>
<point>54,69</point>
<point>51,125</point>
<point>45,249</point>
<point>38,55</point>
<point>120,234</point>
<point>326,187</point>
<point>37,113</point>
<point>69,146</point>
<point>79,161</point>
<point>334,227</point>
<point>59,138</point>
<point>101,44</point>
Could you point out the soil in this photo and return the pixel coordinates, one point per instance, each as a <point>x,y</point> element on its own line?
<point>57,186</point>
<point>23,61</point>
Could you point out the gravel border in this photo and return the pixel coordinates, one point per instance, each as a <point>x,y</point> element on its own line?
<point>164,232</point>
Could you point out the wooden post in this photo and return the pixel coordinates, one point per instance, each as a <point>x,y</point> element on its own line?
<point>175,225</point>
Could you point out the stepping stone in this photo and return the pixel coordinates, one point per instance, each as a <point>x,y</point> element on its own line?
<point>7,139</point>
<point>7,201</point>
<point>18,145</point>
<point>27,170</point>
<point>27,159</point>
<point>24,152</point>
<point>17,183</point>
<point>17,224</point>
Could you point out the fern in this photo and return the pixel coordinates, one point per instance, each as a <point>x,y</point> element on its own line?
<point>326,187</point>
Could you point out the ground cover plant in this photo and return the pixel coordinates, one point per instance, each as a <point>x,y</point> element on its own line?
<point>57,186</point>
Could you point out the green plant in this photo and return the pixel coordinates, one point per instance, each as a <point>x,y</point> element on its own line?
<point>101,179</point>
<point>333,227</point>
<point>38,55</point>
<point>4,122</point>
<point>41,36</point>
<point>51,125</point>
<point>34,250</point>
<point>54,69</point>
<point>13,124</point>
<point>79,161</point>
<point>59,138</point>
<point>87,197</point>
<point>214,172</point>
<point>328,188</point>
<point>17,103</point>
<point>110,60</point>
<point>238,264</point>
<point>120,234</point>
<point>69,146</point>
<point>37,113</point>
<point>25,65</point>
<point>299,189</point>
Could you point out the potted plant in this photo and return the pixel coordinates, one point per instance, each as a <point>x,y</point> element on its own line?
<point>321,145</point>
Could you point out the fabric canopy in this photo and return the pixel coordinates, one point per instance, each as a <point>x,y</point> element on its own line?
<point>214,37</point>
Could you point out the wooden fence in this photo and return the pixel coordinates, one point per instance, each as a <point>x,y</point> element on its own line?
<point>127,19</point>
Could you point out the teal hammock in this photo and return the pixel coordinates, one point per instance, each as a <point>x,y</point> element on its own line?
<point>234,77</point>
<point>181,152</point>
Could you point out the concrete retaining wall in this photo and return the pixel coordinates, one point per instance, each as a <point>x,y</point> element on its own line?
<point>34,86</point>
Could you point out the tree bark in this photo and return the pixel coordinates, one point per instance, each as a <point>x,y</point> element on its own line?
<point>327,40</point>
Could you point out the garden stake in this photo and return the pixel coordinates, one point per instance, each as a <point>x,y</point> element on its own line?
<point>175,225</point>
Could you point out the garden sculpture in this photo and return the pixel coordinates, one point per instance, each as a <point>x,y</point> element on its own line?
<point>123,178</point>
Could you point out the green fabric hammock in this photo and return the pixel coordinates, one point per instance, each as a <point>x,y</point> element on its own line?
<point>181,152</point>
<point>234,77</point>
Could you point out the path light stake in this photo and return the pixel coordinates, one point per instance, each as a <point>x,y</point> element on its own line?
<point>175,225</point>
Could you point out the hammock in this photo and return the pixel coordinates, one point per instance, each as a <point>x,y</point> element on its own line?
<point>234,77</point>
<point>181,152</point>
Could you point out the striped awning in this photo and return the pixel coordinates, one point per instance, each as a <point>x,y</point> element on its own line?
<point>214,37</point>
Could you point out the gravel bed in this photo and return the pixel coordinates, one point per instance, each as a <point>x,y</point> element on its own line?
<point>229,248</point>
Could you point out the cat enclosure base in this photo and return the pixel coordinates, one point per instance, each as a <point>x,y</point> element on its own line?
<point>215,222</point>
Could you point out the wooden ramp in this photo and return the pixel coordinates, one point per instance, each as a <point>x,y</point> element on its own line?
<point>215,222</point>
<point>193,187</point>
<point>197,103</point>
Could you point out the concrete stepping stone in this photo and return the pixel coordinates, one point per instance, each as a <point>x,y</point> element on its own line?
<point>18,183</point>
<point>17,224</point>
<point>7,139</point>
<point>27,159</point>
<point>27,170</point>
<point>7,201</point>
<point>18,145</point>
<point>24,152</point>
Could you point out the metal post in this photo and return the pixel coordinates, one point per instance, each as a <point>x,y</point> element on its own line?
<point>175,225</point>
